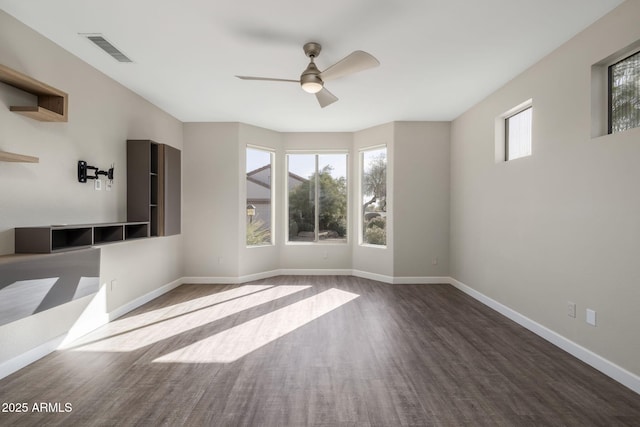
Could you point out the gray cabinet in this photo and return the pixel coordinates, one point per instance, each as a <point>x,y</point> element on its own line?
<point>154,186</point>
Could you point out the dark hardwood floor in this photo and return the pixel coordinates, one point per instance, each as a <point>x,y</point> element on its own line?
<point>326,351</point>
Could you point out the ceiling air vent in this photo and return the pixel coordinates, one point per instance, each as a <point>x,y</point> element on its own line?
<point>105,45</point>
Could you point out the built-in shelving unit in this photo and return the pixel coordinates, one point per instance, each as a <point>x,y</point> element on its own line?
<point>58,238</point>
<point>52,103</point>
<point>153,186</point>
<point>20,158</point>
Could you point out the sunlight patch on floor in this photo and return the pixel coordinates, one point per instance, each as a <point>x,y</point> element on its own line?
<point>132,322</point>
<point>140,331</point>
<point>238,341</point>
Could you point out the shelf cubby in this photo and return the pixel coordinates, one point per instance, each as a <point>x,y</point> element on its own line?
<point>136,230</point>
<point>108,233</point>
<point>68,238</point>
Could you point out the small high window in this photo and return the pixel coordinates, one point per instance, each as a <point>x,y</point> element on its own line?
<point>518,134</point>
<point>624,94</point>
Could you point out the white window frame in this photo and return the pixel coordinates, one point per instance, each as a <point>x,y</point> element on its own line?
<point>272,195</point>
<point>600,90</point>
<point>501,141</point>
<point>316,240</point>
<point>360,227</point>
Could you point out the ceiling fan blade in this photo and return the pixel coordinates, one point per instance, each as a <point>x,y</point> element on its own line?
<point>325,98</point>
<point>267,79</point>
<point>352,63</point>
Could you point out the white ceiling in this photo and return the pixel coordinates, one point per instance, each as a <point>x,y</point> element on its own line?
<point>438,57</point>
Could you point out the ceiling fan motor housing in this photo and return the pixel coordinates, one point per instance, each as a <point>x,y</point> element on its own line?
<point>310,79</point>
<point>312,49</point>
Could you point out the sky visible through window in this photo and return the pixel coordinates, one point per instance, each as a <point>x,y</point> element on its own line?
<point>304,165</point>
<point>519,134</point>
<point>256,159</point>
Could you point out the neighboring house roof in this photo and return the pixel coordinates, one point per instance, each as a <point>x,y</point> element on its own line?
<point>256,175</point>
<point>258,182</point>
<point>255,171</point>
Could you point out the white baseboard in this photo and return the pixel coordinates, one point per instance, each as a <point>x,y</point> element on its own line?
<point>226,280</point>
<point>318,272</point>
<point>372,276</point>
<point>124,309</point>
<point>15,364</point>
<point>429,280</point>
<point>315,272</point>
<point>403,280</point>
<point>204,280</point>
<point>259,276</point>
<point>265,275</point>
<point>621,375</point>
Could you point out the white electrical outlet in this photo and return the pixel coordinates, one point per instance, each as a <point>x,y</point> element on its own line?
<point>97,184</point>
<point>591,317</point>
<point>571,309</point>
<point>113,284</point>
<point>434,261</point>
<point>108,186</point>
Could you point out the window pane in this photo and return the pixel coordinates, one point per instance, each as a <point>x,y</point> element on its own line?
<point>518,131</point>
<point>259,206</point>
<point>332,200</point>
<point>624,106</point>
<point>301,187</point>
<point>374,196</point>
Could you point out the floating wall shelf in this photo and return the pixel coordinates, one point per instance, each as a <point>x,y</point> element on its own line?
<point>52,103</point>
<point>21,158</point>
<point>58,238</point>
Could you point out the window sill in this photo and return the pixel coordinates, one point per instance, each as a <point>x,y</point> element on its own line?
<point>321,243</point>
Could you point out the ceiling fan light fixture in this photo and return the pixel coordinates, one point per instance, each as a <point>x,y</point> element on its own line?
<point>310,79</point>
<point>312,87</point>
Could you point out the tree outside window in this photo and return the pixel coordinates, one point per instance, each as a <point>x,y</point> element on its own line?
<point>624,94</point>
<point>317,187</point>
<point>374,196</point>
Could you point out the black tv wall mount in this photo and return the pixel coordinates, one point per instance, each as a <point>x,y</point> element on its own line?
<point>83,168</point>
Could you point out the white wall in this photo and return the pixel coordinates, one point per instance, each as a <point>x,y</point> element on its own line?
<point>421,199</point>
<point>561,225</point>
<point>211,193</point>
<point>102,116</point>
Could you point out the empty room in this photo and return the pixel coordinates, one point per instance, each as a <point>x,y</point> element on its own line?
<point>348,213</point>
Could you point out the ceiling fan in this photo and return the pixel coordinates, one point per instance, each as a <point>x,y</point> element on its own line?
<point>312,80</point>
